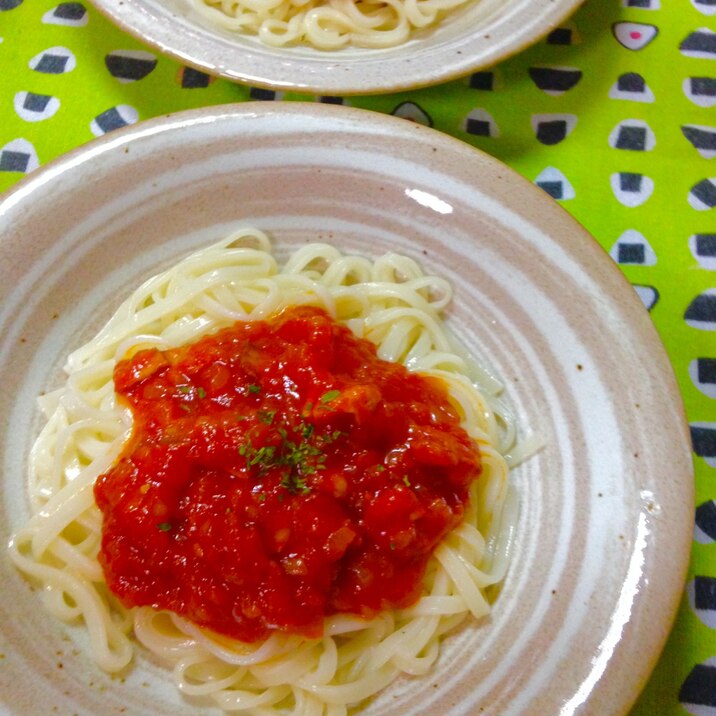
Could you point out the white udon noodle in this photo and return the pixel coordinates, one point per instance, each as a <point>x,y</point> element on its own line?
<point>334,24</point>
<point>391,303</point>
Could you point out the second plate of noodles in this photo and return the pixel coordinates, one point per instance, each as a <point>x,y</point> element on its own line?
<point>338,47</point>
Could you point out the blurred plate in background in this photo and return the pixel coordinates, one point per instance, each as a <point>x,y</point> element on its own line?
<point>472,37</point>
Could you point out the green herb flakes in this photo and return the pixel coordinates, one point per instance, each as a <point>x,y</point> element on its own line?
<point>295,450</point>
<point>330,396</point>
<point>266,416</point>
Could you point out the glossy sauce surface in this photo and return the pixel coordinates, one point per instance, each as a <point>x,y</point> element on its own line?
<point>279,472</point>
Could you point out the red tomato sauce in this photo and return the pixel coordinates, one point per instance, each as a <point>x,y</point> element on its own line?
<point>278,472</point>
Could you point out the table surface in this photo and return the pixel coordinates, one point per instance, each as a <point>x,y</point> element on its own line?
<point>613,114</point>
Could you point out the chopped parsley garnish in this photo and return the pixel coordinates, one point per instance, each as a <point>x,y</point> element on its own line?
<point>253,388</point>
<point>297,454</point>
<point>266,416</point>
<point>187,390</point>
<point>295,484</point>
<point>164,526</point>
<point>264,457</point>
<point>406,480</point>
<point>329,396</point>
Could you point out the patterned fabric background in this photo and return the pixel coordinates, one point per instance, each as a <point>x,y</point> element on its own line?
<point>613,115</point>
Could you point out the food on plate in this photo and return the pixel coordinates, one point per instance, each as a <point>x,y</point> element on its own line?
<point>330,24</point>
<point>283,482</point>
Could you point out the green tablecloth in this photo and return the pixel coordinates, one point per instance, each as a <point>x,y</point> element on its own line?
<point>613,114</point>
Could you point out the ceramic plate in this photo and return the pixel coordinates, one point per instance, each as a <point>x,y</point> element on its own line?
<point>467,40</point>
<point>605,520</point>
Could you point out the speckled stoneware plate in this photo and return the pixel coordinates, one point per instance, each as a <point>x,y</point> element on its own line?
<point>604,525</point>
<point>476,36</point>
